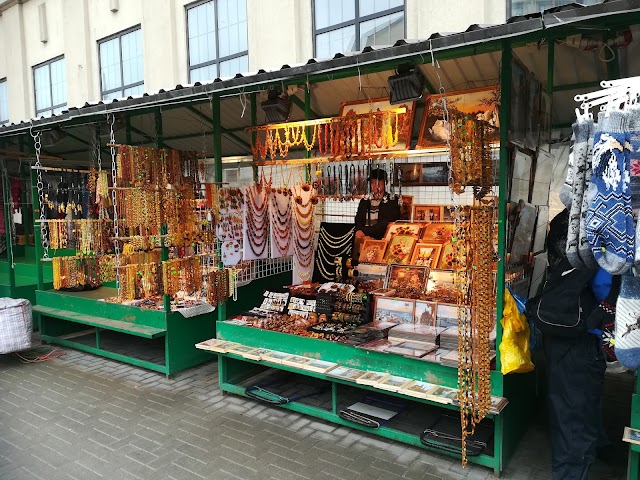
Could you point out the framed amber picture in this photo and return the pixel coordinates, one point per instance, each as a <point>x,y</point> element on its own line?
<point>399,249</point>
<point>438,232</point>
<point>406,207</point>
<point>372,251</point>
<point>403,228</point>
<point>448,259</point>
<point>402,276</point>
<point>426,254</point>
<point>480,103</point>
<point>427,213</point>
<point>405,120</point>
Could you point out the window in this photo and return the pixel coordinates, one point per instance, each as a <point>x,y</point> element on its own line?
<point>50,86</point>
<point>4,102</point>
<point>350,25</point>
<point>217,39</point>
<point>121,67</point>
<point>526,7</point>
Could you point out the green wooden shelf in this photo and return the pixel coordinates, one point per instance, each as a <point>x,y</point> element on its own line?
<point>509,425</point>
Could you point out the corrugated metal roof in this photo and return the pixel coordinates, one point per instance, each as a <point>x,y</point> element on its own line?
<point>572,66</point>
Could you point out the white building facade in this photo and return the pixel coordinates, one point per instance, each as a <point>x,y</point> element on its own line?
<point>56,54</point>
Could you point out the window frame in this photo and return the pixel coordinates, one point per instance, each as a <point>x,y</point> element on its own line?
<point>218,60</point>
<point>3,81</point>
<point>53,107</point>
<point>119,36</point>
<point>357,20</point>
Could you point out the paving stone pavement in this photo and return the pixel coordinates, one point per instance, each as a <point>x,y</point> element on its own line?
<point>82,417</point>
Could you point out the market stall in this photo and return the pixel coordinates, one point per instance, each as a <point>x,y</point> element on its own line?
<point>468,166</point>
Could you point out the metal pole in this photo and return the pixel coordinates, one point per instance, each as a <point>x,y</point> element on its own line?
<point>7,222</point>
<point>505,101</point>
<point>254,122</point>
<point>551,59</point>
<point>217,159</point>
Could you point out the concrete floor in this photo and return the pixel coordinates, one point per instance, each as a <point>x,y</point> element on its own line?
<point>84,417</point>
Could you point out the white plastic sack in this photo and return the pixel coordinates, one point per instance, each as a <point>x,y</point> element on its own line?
<point>15,324</point>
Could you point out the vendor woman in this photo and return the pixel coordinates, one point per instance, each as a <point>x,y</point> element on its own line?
<point>376,212</point>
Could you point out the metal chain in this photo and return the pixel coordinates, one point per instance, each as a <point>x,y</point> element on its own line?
<point>94,148</point>
<point>44,227</point>
<point>114,198</point>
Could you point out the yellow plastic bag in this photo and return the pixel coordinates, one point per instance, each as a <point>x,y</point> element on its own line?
<point>514,348</point>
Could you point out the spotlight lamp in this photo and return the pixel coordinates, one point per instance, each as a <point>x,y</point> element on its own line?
<point>277,106</point>
<point>406,85</point>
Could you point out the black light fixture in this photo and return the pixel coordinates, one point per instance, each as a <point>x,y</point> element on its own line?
<point>406,85</point>
<point>277,106</point>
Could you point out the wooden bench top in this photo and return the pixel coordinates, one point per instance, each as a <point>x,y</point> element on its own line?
<point>101,322</point>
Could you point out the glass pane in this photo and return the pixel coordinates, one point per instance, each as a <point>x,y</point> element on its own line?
<point>232,27</point>
<point>4,102</point>
<point>110,64</point>
<point>132,66</point>
<point>369,7</point>
<point>333,12</point>
<point>58,83</point>
<point>203,74</point>
<point>112,95</point>
<point>340,40</point>
<point>382,31</point>
<point>42,85</point>
<point>60,109</point>
<point>202,39</point>
<point>137,90</point>
<point>229,68</point>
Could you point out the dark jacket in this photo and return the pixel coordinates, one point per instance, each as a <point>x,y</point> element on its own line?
<point>389,211</point>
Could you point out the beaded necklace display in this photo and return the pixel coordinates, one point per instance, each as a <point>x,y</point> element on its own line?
<point>75,272</point>
<point>280,223</point>
<point>475,324</point>
<point>330,247</point>
<point>303,232</point>
<point>257,218</point>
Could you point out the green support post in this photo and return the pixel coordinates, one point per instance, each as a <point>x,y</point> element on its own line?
<point>37,229</point>
<point>254,122</point>
<point>505,97</point>
<point>217,159</point>
<point>7,222</point>
<point>166,299</point>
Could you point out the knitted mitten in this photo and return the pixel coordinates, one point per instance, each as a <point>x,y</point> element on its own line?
<point>581,131</point>
<point>566,190</point>
<point>584,249</point>
<point>634,152</point>
<point>627,337</point>
<point>609,221</point>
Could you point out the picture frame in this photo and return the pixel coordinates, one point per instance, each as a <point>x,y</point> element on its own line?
<point>441,286</point>
<point>520,176</point>
<point>483,103</point>
<point>394,310</point>
<point>545,108</point>
<point>372,276</point>
<point>403,228</point>
<point>425,313</point>
<point>427,213</point>
<point>435,174</point>
<point>400,248</point>
<point>407,276</point>
<point>406,207</point>
<point>518,106</point>
<point>383,105</point>
<point>407,174</point>
<point>447,260</point>
<point>373,251</point>
<point>533,113</point>
<point>631,435</point>
<point>448,213</point>
<point>426,255</point>
<point>438,232</point>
